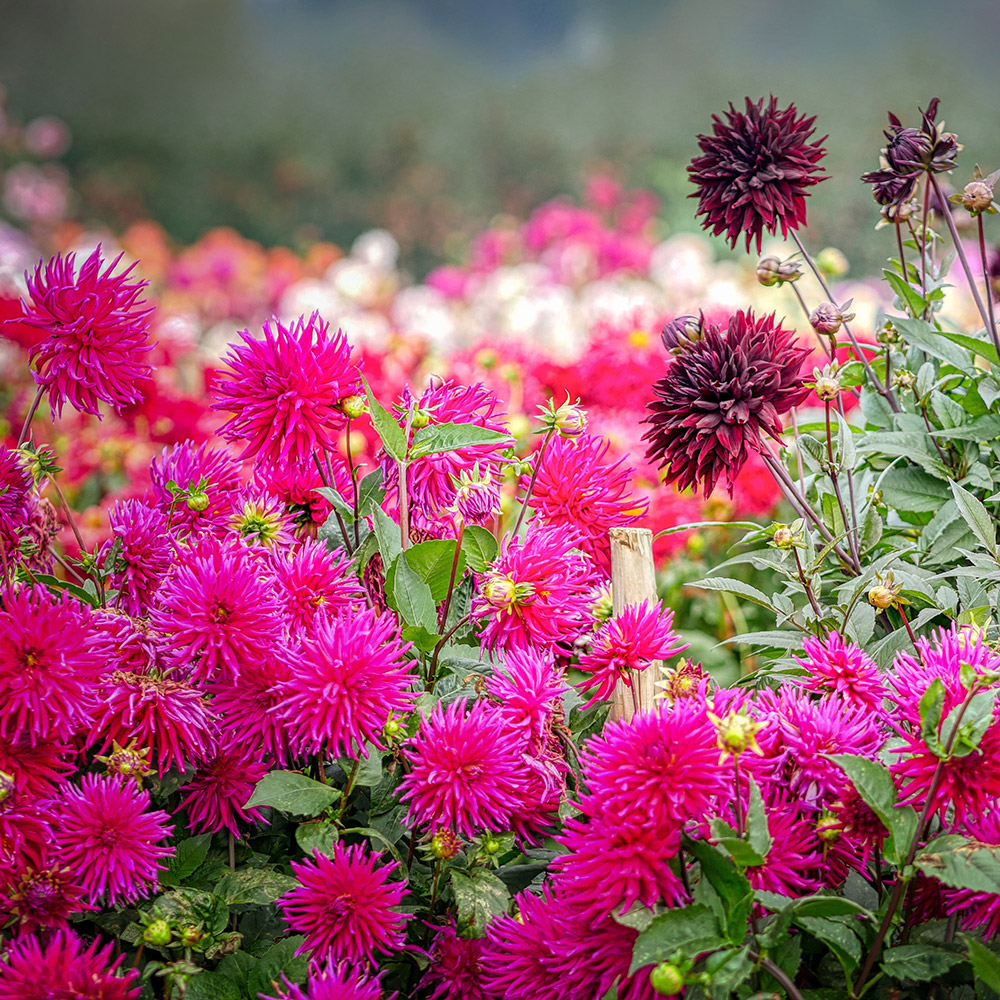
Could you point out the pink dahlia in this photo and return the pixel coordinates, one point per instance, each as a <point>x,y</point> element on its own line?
<point>715,403</point>
<point>97,331</point>
<point>793,866</point>
<point>537,591</point>
<point>345,905</point>
<point>530,687</point>
<point>62,967</point>
<point>663,762</point>
<point>127,641</point>
<point>249,709</point>
<point>296,487</point>
<point>208,476</point>
<point>431,479</point>
<point>978,911</point>
<point>220,787</point>
<point>216,612</point>
<point>107,836</point>
<point>841,668</point>
<point>50,663</point>
<point>143,553</point>
<point>284,391</point>
<point>577,486</point>
<point>170,717</point>
<point>42,897</point>
<point>332,981</point>
<point>454,972</point>
<point>313,580</point>
<point>15,487</point>
<point>37,767</point>
<point>347,676</point>
<point>630,641</point>
<point>261,520</point>
<point>754,171</point>
<point>464,772</point>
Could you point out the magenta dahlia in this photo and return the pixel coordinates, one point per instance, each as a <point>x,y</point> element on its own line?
<point>530,687</point>
<point>714,403</point>
<point>15,487</point>
<point>50,664</point>
<point>37,767</point>
<point>346,906</point>
<point>216,611</point>
<point>220,787</point>
<point>107,837</point>
<point>40,898</point>
<point>842,669</point>
<point>454,972</point>
<point>249,709</point>
<point>630,641</point>
<point>97,333</point>
<point>208,477</point>
<point>333,981</point>
<point>754,171</point>
<point>793,866</point>
<point>143,553</point>
<point>464,770</point>
<point>347,675</point>
<point>261,520</point>
<point>284,390</point>
<point>313,580</point>
<point>537,591</point>
<point>61,966</point>
<point>577,486</point>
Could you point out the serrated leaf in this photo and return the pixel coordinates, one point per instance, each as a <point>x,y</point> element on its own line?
<point>912,300</point>
<point>913,490</point>
<point>387,532</point>
<point>732,894</point>
<point>692,930</point>
<point>479,546</point>
<point>920,962</point>
<point>738,587</point>
<point>842,941</point>
<point>337,501</point>
<point>254,886</point>
<point>316,837</point>
<point>370,492</point>
<point>278,963</point>
<point>187,859</point>
<point>962,863</point>
<point>432,561</point>
<point>436,438</point>
<point>985,964</point>
<point>921,334</point>
<point>411,597</point>
<point>387,427</point>
<point>478,896</point>
<point>292,792</point>
<point>930,707</point>
<point>758,834</point>
<point>212,986</point>
<point>977,517</point>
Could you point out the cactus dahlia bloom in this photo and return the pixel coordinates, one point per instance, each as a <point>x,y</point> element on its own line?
<point>314,580</point>
<point>537,591</point>
<point>333,981</point>
<point>843,670</point>
<point>97,332</point>
<point>465,770</point>
<point>63,967</point>
<point>630,641</point>
<point>714,404</point>
<point>144,553</point>
<point>345,905</point>
<point>347,675</point>
<point>754,171</point>
<point>454,972</point>
<point>530,686</point>
<point>107,837</point>
<point>41,896</point>
<point>249,709</point>
<point>209,475</point>
<point>36,767</point>
<point>221,785</point>
<point>284,390</point>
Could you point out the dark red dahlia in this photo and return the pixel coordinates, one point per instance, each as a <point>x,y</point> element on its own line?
<point>754,171</point>
<point>714,403</point>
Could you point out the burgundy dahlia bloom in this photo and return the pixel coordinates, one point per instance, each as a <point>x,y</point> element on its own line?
<point>220,787</point>
<point>283,391</point>
<point>61,966</point>
<point>464,772</point>
<point>754,171</point>
<point>97,333</point>
<point>41,897</point>
<point>107,837</point>
<point>345,905</point>
<point>349,673</point>
<point>454,972</point>
<point>715,402</point>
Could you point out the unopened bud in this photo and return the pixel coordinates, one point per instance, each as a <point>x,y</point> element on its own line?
<point>772,271</point>
<point>158,933</point>
<point>667,979</point>
<point>977,197</point>
<point>420,418</point>
<point>681,332</point>
<point>881,597</point>
<point>829,829</point>
<point>826,318</point>
<point>190,935</point>
<point>571,420</point>
<point>832,262</point>
<point>491,845</point>
<point>353,406</point>
<point>499,591</point>
<point>198,502</point>
<point>784,538</point>
<point>445,845</point>
<point>903,378</point>
<point>827,387</point>
<point>736,733</point>
<point>6,786</point>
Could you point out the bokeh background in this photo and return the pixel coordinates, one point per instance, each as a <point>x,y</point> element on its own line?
<point>292,120</point>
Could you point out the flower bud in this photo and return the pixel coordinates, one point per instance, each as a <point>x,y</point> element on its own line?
<point>190,935</point>
<point>903,378</point>
<point>392,728</point>
<point>826,318</point>
<point>784,538</point>
<point>667,979</point>
<point>491,845</point>
<point>353,406</point>
<point>832,262</point>
<point>827,387</point>
<point>158,933</point>
<point>500,591</point>
<point>829,829</point>
<point>477,499</point>
<point>197,502</point>
<point>6,785</point>
<point>679,333</point>
<point>571,419</point>
<point>772,271</point>
<point>977,197</point>
<point>602,606</point>
<point>421,418</point>
<point>736,733</point>
<point>881,597</point>
<point>445,845</point>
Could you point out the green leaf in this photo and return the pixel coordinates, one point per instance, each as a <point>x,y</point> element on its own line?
<point>432,561</point>
<point>962,863</point>
<point>912,300</point>
<point>370,492</point>
<point>479,546</point>
<point>387,427</point>
<point>872,781</point>
<point>985,964</point>
<point>827,906</point>
<point>478,896</point>
<point>387,532</point>
<point>931,706</point>
<point>913,490</point>
<point>436,438</point>
<point>738,587</point>
<point>189,856</point>
<point>369,770</point>
<point>731,892</point>
<point>316,836</point>
<point>758,834</point>
<point>978,346</point>
<point>921,334</point>
<point>212,986</point>
<point>411,597</point>
<point>839,939</point>
<point>277,963</point>
<point>729,970</point>
<point>367,831</point>
<point>254,886</point>
<point>292,792</point>
<point>338,502</point>
<point>977,517</point>
<point>921,962</point>
<point>692,930</point>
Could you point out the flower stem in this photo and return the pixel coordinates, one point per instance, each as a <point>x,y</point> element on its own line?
<point>869,371</point>
<point>354,483</point>
<point>986,281</point>
<point>852,527</point>
<point>806,585</point>
<point>823,341</point>
<point>348,788</point>
<point>778,974</point>
<point>22,437</point>
<point>534,476</point>
<point>443,618</point>
<point>94,571</point>
<point>739,794</point>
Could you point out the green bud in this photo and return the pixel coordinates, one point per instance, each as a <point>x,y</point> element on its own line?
<point>198,502</point>
<point>667,979</point>
<point>353,406</point>
<point>158,933</point>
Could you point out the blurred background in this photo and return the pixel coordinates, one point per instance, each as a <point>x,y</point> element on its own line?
<point>298,120</point>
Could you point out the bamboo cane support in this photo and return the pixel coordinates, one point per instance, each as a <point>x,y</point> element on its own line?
<point>633,579</point>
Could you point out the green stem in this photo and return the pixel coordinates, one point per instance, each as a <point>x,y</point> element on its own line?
<point>534,476</point>
<point>348,788</point>
<point>354,482</point>
<point>986,281</point>
<point>22,437</point>
<point>443,618</point>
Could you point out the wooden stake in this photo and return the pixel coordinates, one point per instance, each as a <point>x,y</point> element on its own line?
<point>633,580</point>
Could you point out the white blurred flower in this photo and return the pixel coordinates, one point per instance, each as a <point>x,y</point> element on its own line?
<point>308,296</point>
<point>682,266</point>
<point>378,249</point>
<point>424,312</point>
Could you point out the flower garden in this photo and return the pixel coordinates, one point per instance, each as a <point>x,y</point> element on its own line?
<point>313,681</point>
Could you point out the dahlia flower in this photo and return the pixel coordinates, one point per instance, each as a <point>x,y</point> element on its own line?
<point>530,686</point>
<point>168,716</point>
<point>714,404</point>
<point>842,669</point>
<point>630,641</point>
<point>216,612</point>
<point>349,674</point>
<point>313,580</point>
<point>37,767</point>
<point>345,905</point>
<point>50,663</point>
<point>464,770</point>
<point>793,864</point>
<point>42,897</point>
<point>63,967</point>
<point>249,709</point>
<point>15,487</point>
<point>209,475</point>
<point>537,591</point>
<point>127,641</point>
<point>261,520</point>
<point>332,981</point>
<point>454,972</point>
<point>220,787</point>
<point>284,390</point>
<point>754,171</point>
<point>97,333</point>
<point>107,837</point>
<point>576,486</point>
<point>144,553</point>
